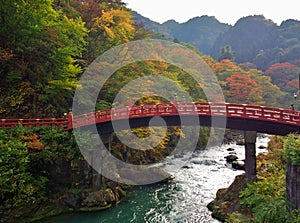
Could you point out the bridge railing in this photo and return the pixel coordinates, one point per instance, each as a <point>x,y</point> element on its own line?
<point>230,110</point>
<point>189,108</point>
<point>12,123</point>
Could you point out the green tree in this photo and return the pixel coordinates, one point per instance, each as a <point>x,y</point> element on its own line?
<point>266,198</point>
<point>43,46</point>
<point>17,183</point>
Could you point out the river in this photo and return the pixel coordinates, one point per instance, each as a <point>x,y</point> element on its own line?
<point>182,200</point>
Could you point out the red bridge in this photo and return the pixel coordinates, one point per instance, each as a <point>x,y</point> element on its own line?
<point>238,116</point>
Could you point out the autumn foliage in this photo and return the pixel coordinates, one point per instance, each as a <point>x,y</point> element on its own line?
<point>284,75</point>
<point>242,88</point>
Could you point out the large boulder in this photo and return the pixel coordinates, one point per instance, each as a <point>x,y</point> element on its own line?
<point>98,198</point>
<point>231,158</point>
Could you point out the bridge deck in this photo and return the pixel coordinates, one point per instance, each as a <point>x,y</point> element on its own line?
<point>238,116</point>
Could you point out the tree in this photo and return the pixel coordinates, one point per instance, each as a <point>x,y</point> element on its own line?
<point>247,37</point>
<point>243,89</point>
<point>40,47</point>
<point>225,66</point>
<point>109,24</point>
<point>271,94</point>
<point>284,75</point>
<point>226,53</point>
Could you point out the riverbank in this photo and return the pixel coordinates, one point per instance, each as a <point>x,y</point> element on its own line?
<point>73,186</point>
<point>263,200</point>
<point>228,200</point>
<point>74,200</point>
<point>43,173</point>
<point>183,199</point>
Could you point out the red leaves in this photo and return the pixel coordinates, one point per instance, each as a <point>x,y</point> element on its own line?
<point>241,87</point>
<point>284,75</point>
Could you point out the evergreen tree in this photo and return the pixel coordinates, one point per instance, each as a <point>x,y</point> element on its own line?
<point>226,53</point>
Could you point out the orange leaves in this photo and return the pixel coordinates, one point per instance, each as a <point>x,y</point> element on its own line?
<point>225,65</point>
<point>5,54</point>
<point>210,61</point>
<point>242,88</point>
<point>33,142</point>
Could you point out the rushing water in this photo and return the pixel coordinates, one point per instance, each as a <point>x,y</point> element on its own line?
<point>182,200</point>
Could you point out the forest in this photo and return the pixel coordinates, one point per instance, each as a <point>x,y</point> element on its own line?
<point>253,39</point>
<point>46,45</point>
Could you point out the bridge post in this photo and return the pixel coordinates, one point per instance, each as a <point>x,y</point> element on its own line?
<point>70,121</point>
<point>250,155</point>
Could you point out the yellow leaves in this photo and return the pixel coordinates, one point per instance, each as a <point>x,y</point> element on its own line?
<point>5,54</point>
<point>116,24</point>
<point>210,61</point>
<point>225,66</point>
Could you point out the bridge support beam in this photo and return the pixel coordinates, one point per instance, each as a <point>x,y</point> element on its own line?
<point>96,160</point>
<point>250,155</point>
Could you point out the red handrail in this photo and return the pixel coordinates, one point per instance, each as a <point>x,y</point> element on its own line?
<point>231,110</point>
<point>188,108</point>
<point>37,122</point>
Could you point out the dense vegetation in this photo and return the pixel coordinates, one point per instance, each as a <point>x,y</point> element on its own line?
<point>44,53</point>
<point>260,41</point>
<point>27,155</point>
<point>46,44</point>
<point>254,42</point>
<point>253,39</point>
<point>265,200</point>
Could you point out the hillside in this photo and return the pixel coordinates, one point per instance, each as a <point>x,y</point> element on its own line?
<point>201,32</point>
<point>260,41</point>
<point>253,39</point>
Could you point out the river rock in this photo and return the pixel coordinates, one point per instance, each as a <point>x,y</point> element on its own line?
<point>95,199</point>
<point>231,158</point>
<point>240,142</point>
<point>228,200</point>
<point>230,149</point>
<point>109,196</point>
<point>140,175</point>
<point>262,147</point>
<point>186,167</point>
<point>72,200</point>
<point>238,165</point>
<point>204,162</point>
<point>179,155</point>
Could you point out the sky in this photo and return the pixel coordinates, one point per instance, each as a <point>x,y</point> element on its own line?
<point>226,11</point>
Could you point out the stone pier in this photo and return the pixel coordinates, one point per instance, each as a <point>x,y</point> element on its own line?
<point>250,155</point>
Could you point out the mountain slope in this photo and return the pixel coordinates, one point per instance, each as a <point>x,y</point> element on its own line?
<point>201,32</point>
<point>260,41</point>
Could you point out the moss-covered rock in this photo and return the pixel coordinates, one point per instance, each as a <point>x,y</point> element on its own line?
<point>227,199</point>
<point>94,199</point>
